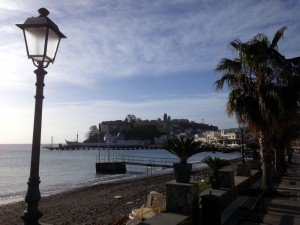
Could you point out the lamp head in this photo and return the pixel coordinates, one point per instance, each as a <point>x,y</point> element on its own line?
<point>42,37</point>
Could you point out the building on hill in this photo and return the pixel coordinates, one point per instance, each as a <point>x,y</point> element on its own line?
<point>164,125</point>
<point>213,137</point>
<point>161,125</point>
<point>109,126</point>
<point>230,136</point>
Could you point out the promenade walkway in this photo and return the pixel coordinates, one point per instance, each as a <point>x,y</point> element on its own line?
<point>284,209</point>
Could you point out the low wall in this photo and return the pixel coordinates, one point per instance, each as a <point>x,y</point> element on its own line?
<point>214,201</point>
<point>242,185</point>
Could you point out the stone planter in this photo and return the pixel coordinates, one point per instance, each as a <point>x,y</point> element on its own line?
<point>182,198</point>
<point>214,181</point>
<point>182,172</point>
<point>226,177</point>
<point>255,165</point>
<point>243,170</point>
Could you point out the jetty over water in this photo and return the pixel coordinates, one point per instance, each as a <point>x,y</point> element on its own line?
<point>94,147</point>
<point>138,160</point>
<point>115,164</point>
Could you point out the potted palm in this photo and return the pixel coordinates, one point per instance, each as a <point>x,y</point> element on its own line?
<point>215,164</point>
<point>183,148</point>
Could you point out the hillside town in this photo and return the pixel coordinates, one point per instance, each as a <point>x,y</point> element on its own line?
<point>156,132</point>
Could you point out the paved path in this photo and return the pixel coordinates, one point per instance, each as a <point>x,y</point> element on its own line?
<point>284,209</point>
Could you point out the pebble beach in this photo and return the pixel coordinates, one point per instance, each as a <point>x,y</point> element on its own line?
<point>103,204</point>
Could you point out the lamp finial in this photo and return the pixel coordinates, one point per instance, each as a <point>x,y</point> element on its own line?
<point>43,12</point>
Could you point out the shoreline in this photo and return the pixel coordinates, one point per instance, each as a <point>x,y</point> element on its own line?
<point>87,186</point>
<point>97,204</point>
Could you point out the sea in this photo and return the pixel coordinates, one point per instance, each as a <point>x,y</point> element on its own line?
<point>65,170</point>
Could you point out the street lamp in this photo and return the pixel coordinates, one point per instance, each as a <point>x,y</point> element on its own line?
<point>242,127</point>
<point>42,38</point>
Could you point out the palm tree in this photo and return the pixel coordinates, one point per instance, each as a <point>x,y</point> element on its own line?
<point>260,81</point>
<point>215,163</point>
<point>182,147</point>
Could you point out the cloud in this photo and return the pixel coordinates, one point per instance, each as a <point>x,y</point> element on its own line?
<point>115,40</point>
<point>150,38</point>
<point>63,120</point>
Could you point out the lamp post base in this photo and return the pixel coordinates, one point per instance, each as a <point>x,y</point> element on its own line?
<point>32,218</point>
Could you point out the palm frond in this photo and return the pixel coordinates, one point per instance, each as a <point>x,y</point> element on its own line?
<point>258,80</point>
<point>182,147</point>
<point>277,37</point>
<point>215,163</point>
<point>230,79</point>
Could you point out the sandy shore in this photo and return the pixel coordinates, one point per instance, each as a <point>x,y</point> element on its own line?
<point>93,205</point>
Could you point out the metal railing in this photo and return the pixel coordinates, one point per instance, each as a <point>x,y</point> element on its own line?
<point>138,160</point>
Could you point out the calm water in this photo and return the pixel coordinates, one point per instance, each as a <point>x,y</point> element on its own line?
<point>65,170</point>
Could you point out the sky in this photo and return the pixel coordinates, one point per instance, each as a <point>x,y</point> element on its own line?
<point>141,57</point>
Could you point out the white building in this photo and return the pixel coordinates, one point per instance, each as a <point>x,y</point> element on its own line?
<point>232,136</point>
<point>213,137</point>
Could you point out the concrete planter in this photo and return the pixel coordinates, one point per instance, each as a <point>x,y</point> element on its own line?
<point>182,172</point>
<point>255,165</point>
<point>226,177</point>
<point>243,170</point>
<point>182,198</point>
<point>214,181</point>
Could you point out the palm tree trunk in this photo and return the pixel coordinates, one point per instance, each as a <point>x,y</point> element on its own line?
<point>289,153</point>
<point>281,151</point>
<point>275,159</point>
<point>265,150</point>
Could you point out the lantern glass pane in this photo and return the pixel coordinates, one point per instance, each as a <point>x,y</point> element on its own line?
<point>53,41</point>
<point>35,38</point>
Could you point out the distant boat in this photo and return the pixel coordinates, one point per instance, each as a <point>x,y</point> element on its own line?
<point>120,141</point>
<point>73,143</point>
<point>110,141</point>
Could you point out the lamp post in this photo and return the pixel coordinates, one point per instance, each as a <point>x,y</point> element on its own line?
<point>242,127</point>
<point>107,140</point>
<point>42,38</point>
<point>99,142</point>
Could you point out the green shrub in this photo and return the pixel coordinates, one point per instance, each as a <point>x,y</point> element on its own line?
<point>204,185</point>
<point>215,163</point>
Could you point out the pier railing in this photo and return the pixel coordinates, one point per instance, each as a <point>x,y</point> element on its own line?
<point>138,160</point>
